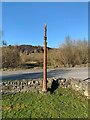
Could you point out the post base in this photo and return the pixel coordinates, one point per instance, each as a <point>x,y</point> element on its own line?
<point>44,91</point>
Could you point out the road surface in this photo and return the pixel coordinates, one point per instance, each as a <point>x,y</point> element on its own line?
<point>80,73</point>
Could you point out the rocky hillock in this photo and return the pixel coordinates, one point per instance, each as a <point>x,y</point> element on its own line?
<point>29,48</point>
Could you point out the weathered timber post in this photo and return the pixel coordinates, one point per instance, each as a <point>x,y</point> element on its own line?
<point>44,85</point>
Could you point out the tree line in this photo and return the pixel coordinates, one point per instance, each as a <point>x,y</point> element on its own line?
<point>69,54</point>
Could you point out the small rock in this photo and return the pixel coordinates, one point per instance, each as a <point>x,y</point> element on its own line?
<point>86,93</point>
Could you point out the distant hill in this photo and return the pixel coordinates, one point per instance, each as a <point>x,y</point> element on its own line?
<point>29,48</point>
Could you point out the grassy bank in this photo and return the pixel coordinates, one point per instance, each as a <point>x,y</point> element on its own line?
<point>63,103</point>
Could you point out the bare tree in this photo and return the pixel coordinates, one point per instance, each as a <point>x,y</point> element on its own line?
<point>10,58</point>
<point>74,52</point>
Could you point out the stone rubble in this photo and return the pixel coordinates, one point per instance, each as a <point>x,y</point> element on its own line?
<point>83,86</point>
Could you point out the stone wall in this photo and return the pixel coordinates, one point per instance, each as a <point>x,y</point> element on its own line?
<point>83,86</point>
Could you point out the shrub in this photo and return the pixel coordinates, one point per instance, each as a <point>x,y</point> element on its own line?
<point>74,52</point>
<point>69,54</point>
<point>10,57</point>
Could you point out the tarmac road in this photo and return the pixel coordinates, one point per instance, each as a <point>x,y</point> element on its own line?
<point>80,73</point>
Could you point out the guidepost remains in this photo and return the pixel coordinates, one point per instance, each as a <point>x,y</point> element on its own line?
<point>44,84</point>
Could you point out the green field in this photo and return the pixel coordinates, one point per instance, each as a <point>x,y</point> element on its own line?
<point>63,103</point>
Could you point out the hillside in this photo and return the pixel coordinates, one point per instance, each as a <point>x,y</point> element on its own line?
<point>70,54</point>
<point>29,48</point>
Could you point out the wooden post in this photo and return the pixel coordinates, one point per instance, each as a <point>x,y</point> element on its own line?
<point>44,86</point>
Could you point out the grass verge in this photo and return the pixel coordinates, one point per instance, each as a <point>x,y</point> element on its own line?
<point>63,103</point>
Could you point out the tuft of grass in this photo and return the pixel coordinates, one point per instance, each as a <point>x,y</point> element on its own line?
<point>63,103</point>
